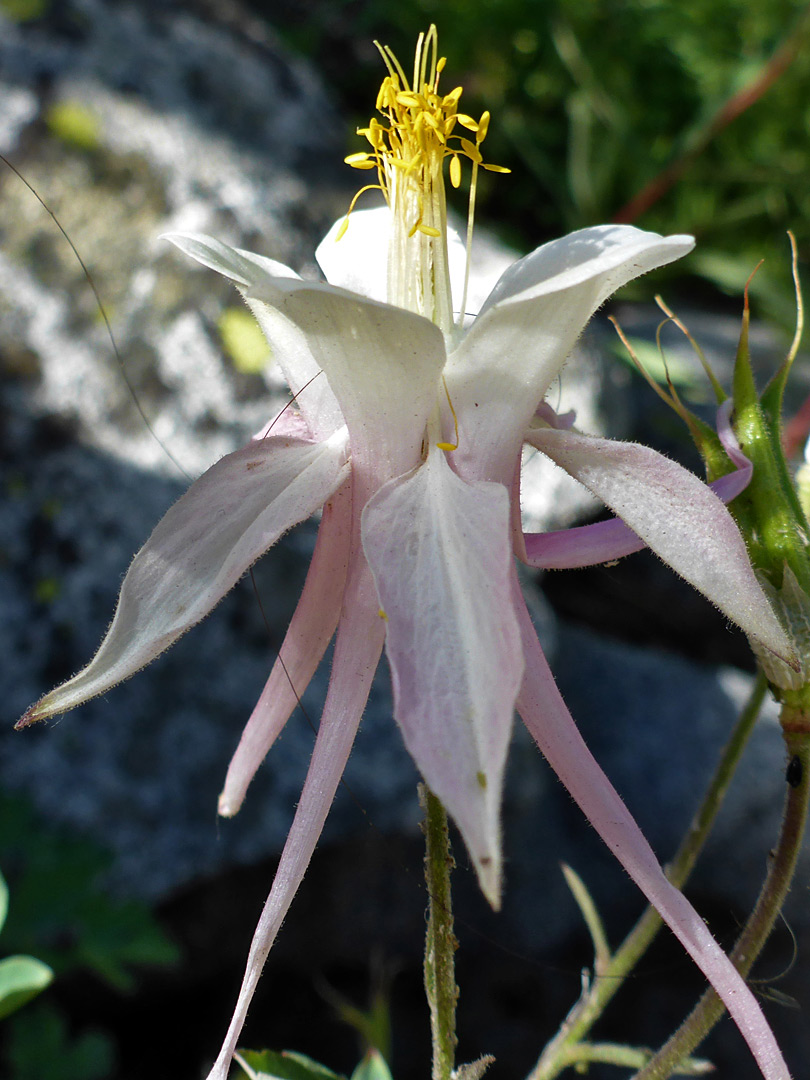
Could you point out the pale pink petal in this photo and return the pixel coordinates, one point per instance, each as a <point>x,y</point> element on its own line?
<point>309,632</point>
<point>440,551</point>
<point>384,365</point>
<point>199,550</point>
<point>588,545</point>
<point>605,541</point>
<point>357,651</point>
<point>676,515</point>
<point>288,423</point>
<point>506,362</point>
<point>547,718</point>
<point>585,545</point>
<point>309,385</point>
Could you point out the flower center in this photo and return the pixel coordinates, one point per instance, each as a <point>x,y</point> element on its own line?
<point>408,151</point>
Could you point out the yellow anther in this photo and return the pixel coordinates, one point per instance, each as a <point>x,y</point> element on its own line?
<point>472,151</point>
<point>360,161</point>
<point>446,445</point>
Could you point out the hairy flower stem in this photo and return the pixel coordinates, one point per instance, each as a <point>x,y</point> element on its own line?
<point>761,921</point>
<point>440,944</point>
<point>567,1047</point>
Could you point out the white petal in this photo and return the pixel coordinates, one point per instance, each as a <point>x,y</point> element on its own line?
<point>289,346</point>
<point>198,552</point>
<point>383,364</point>
<point>676,515</point>
<point>242,267</point>
<point>596,252</point>
<point>440,551</point>
<point>506,362</point>
<point>358,261</point>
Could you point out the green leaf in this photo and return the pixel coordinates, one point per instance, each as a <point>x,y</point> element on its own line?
<point>287,1065</point>
<point>21,978</point>
<point>372,1067</point>
<point>80,926</point>
<point>40,1048</point>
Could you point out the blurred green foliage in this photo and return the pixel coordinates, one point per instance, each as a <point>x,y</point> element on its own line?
<point>21,977</point>
<point>592,99</point>
<point>40,1047</point>
<point>60,912</point>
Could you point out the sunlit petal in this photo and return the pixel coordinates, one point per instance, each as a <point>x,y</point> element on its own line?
<point>198,552</point>
<point>441,555</point>
<point>678,517</point>
<point>384,365</point>
<point>358,261</point>
<point>504,365</point>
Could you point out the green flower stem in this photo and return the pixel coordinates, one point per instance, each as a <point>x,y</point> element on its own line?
<point>628,1057</point>
<point>440,944</point>
<point>758,928</point>
<point>562,1050</point>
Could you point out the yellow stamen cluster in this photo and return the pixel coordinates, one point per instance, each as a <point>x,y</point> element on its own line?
<point>408,150</point>
<point>419,133</point>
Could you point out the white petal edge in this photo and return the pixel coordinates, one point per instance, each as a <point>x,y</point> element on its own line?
<point>199,550</point>
<point>507,360</point>
<point>248,271</point>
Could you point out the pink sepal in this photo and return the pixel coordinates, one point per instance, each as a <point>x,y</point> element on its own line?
<point>546,716</point>
<point>678,517</point>
<point>357,652</point>
<point>309,632</point>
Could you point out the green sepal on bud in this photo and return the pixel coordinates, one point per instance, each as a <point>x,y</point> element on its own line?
<point>769,512</point>
<point>705,438</point>
<point>772,511</point>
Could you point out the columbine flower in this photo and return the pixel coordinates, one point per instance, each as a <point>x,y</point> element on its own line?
<point>407,429</point>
